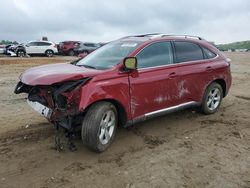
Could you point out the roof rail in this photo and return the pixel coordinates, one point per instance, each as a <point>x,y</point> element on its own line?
<point>143,35</point>
<point>185,36</point>
<point>159,35</point>
<point>147,35</point>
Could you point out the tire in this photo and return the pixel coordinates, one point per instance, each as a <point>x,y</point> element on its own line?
<point>20,53</point>
<point>99,126</point>
<point>85,52</point>
<point>212,98</point>
<point>49,53</point>
<point>71,53</point>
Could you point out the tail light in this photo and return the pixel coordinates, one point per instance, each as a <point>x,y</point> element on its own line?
<point>54,45</point>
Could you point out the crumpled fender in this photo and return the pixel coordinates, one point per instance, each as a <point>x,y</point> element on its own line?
<point>116,89</point>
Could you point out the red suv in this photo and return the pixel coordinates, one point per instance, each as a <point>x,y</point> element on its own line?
<point>67,47</point>
<point>127,81</point>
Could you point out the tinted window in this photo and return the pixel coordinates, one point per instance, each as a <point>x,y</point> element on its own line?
<point>187,51</point>
<point>32,44</point>
<point>89,44</point>
<point>67,43</point>
<point>208,54</point>
<point>43,44</point>
<point>156,54</point>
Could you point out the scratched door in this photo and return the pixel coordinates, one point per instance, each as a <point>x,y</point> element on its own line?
<point>154,85</point>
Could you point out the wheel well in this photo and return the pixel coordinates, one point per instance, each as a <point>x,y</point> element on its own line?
<point>18,50</point>
<point>49,50</point>
<point>122,115</point>
<point>222,84</point>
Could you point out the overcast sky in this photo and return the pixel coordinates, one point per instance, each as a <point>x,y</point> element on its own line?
<point>221,21</point>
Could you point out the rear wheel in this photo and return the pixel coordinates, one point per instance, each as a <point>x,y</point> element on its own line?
<point>99,126</point>
<point>212,98</point>
<point>71,53</point>
<point>49,53</point>
<point>85,52</point>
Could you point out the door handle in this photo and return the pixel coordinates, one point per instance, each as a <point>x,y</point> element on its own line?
<point>172,75</point>
<point>209,69</point>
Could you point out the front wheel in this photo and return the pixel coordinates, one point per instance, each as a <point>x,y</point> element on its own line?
<point>99,126</point>
<point>20,53</point>
<point>212,98</point>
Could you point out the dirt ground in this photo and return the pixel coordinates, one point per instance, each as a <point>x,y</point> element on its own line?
<point>183,149</point>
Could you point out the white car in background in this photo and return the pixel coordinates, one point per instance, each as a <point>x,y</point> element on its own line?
<point>41,47</point>
<point>2,49</point>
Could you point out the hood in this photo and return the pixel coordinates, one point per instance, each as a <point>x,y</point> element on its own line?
<point>54,73</point>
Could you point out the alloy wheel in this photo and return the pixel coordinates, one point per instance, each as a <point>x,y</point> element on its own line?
<point>107,126</point>
<point>213,99</point>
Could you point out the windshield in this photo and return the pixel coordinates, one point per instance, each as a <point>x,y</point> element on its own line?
<point>109,55</point>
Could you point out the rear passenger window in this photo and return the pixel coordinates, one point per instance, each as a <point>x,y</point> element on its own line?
<point>43,44</point>
<point>187,51</point>
<point>208,54</point>
<point>156,54</point>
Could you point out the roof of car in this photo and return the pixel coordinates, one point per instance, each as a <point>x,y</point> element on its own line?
<point>158,36</point>
<point>70,41</point>
<point>40,41</point>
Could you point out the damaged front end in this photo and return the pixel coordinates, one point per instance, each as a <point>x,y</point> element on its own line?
<point>58,102</point>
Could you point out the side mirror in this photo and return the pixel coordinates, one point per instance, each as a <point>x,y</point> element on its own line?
<point>130,63</point>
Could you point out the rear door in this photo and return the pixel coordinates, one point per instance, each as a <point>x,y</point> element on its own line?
<point>153,85</point>
<point>42,47</point>
<point>195,71</point>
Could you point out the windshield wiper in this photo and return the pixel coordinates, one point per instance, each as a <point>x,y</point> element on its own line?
<point>88,66</point>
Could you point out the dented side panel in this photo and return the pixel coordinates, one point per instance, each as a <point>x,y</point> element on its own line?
<point>194,78</point>
<point>152,89</point>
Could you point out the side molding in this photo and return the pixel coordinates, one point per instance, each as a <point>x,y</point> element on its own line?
<point>162,112</point>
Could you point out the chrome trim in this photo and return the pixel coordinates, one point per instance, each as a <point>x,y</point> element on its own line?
<point>161,112</point>
<point>146,68</point>
<point>186,62</point>
<point>172,108</point>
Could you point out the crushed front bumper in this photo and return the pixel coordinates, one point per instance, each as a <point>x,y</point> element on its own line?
<point>40,108</point>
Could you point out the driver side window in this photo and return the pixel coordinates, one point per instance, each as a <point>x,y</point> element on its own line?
<point>157,54</point>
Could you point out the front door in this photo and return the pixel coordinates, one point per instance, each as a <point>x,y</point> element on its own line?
<point>153,86</point>
<point>31,48</point>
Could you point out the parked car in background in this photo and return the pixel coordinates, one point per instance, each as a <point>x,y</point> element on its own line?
<point>86,47</point>
<point>33,47</point>
<point>82,55</point>
<point>15,50</point>
<point>40,47</point>
<point>67,47</point>
<point>2,49</point>
<point>128,81</point>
